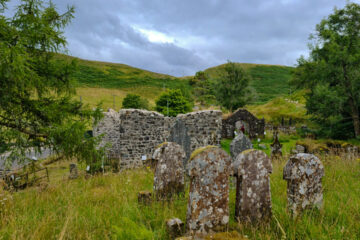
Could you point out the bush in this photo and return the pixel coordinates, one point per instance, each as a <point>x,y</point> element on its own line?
<point>135,101</point>
<point>172,103</point>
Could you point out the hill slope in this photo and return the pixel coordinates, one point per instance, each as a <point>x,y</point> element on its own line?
<point>110,82</point>
<point>269,81</point>
<point>114,75</point>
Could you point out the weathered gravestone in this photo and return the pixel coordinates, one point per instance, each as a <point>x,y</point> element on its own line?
<point>276,147</point>
<point>208,209</point>
<point>73,171</point>
<point>240,143</point>
<point>252,169</point>
<point>169,171</point>
<point>179,135</point>
<point>303,173</point>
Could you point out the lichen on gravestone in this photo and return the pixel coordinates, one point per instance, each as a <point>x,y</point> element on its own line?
<point>303,173</point>
<point>252,169</point>
<point>208,210</point>
<point>169,171</point>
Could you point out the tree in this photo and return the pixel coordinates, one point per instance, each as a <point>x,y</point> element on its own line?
<point>135,101</point>
<point>37,109</point>
<point>232,88</point>
<point>172,103</point>
<point>332,73</point>
<point>203,88</point>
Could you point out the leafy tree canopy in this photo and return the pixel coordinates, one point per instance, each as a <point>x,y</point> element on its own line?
<point>172,103</point>
<point>135,101</point>
<point>37,109</point>
<point>232,87</point>
<point>203,88</point>
<point>332,73</point>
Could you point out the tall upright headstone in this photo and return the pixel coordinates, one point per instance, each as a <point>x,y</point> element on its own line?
<point>253,197</point>
<point>179,135</point>
<point>303,173</point>
<point>169,171</point>
<point>208,208</point>
<point>240,143</point>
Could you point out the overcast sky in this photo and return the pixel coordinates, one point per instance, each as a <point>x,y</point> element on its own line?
<point>180,37</point>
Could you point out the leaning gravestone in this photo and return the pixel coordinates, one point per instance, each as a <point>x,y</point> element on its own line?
<point>240,143</point>
<point>253,197</point>
<point>169,171</point>
<point>208,209</point>
<point>179,135</point>
<point>303,173</point>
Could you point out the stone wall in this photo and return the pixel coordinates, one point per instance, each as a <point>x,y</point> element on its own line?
<point>134,134</point>
<point>253,126</point>
<point>203,128</point>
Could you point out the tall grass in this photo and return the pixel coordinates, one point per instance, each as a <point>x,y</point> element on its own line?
<point>105,207</point>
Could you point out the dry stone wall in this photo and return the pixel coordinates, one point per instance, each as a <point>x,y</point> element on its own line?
<point>134,134</point>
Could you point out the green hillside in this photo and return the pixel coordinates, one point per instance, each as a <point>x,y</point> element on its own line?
<point>101,81</point>
<point>269,81</point>
<point>114,75</point>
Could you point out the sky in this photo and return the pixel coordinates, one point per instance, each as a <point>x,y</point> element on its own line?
<point>181,37</point>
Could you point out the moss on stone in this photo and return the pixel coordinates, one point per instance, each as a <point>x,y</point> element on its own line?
<point>200,150</point>
<point>226,236</point>
<point>248,151</point>
<point>161,144</point>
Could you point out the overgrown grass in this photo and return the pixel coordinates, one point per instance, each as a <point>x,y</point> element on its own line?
<point>287,106</point>
<point>105,207</point>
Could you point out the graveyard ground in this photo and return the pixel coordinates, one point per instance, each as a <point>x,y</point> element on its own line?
<point>105,207</point>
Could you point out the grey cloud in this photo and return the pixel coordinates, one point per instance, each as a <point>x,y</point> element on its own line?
<point>206,32</point>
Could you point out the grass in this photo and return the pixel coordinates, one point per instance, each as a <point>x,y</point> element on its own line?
<point>105,207</point>
<point>93,96</point>
<point>288,106</point>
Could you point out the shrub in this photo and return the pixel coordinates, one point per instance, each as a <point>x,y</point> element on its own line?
<point>135,101</point>
<point>172,103</point>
